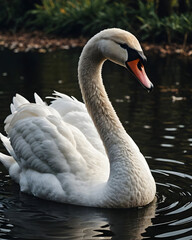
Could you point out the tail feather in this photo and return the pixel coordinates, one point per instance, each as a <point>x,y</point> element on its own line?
<point>6,160</point>
<point>19,100</point>
<point>38,100</point>
<point>8,147</point>
<point>12,108</point>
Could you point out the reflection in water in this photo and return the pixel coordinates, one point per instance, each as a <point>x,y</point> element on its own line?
<point>160,126</point>
<point>33,218</point>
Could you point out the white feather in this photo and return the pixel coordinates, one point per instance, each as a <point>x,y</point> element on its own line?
<point>38,100</point>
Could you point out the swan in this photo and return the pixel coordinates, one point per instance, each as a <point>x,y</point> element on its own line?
<point>77,153</point>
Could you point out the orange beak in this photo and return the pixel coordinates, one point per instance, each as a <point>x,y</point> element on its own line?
<point>137,68</point>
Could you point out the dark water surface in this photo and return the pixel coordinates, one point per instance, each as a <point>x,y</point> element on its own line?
<point>159,122</point>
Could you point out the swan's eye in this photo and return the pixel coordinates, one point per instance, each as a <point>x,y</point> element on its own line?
<point>139,65</point>
<point>123,45</point>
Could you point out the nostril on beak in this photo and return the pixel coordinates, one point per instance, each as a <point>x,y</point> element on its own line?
<point>139,65</point>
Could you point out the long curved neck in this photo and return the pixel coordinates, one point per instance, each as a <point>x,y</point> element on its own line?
<point>129,172</point>
<point>99,107</point>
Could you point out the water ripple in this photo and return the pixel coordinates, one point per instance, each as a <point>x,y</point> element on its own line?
<point>169,160</point>
<point>173,214</point>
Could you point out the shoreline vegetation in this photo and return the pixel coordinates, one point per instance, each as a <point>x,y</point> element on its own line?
<point>41,42</point>
<point>164,26</point>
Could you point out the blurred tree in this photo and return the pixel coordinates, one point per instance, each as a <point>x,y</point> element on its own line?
<point>182,6</point>
<point>164,8</point>
<point>13,13</point>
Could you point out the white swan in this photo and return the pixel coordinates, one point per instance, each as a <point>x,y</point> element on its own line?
<point>60,153</point>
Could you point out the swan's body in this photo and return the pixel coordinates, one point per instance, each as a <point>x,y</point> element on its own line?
<point>60,153</point>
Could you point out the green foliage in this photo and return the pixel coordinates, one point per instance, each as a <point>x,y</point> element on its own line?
<point>78,17</point>
<point>178,27</point>
<point>13,13</point>
<point>150,24</point>
<point>114,15</point>
<point>86,17</point>
<point>172,28</point>
<point>186,29</point>
<point>8,13</point>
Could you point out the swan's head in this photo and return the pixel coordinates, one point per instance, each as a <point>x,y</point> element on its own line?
<point>123,48</point>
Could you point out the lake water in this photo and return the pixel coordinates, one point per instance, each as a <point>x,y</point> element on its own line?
<point>160,122</point>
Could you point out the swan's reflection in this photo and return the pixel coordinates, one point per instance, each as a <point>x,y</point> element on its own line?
<point>38,219</point>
